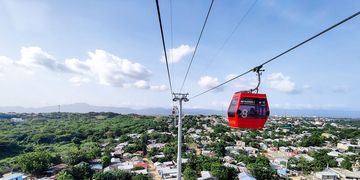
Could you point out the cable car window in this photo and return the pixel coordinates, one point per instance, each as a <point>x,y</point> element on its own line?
<point>232,107</point>
<point>252,108</point>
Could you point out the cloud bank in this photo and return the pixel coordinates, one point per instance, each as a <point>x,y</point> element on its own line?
<point>177,54</point>
<point>208,82</point>
<point>282,83</point>
<point>100,66</point>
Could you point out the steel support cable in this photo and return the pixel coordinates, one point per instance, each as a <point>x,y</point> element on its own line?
<point>172,39</point>
<point>164,46</point>
<point>281,54</point>
<point>230,35</point>
<point>196,47</point>
<point>172,44</point>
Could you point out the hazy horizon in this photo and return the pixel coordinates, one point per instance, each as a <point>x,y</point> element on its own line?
<point>85,108</point>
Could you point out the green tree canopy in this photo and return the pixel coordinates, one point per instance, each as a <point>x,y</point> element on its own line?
<point>34,162</point>
<point>189,173</point>
<point>346,164</point>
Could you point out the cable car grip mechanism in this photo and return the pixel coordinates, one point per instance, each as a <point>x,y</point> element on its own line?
<point>258,72</point>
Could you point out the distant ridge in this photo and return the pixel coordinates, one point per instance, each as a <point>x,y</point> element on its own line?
<point>84,108</point>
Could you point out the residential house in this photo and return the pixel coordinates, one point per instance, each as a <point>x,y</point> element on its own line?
<point>208,153</point>
<point>142,171</point>
<point>96,167</point>
<point>346,174</point>
<point>240,144</point>
<point>305,156</point>
<point>326,174</point>
<point>133,136</point>
<point>251,150</point>
<point>149,147</point>
<point>245,176</point>
<point>229,159</point>
<point>55,169</point>
<point>198,131</point>
<point>115,160</point>
<point>150,131</point>
<point>263,146</point>
<point>334,153</point>
<point>14,176</point>
<point>345,145</point>
<point>167,173</point>
<point>230,165</point>
<point>206,175</point>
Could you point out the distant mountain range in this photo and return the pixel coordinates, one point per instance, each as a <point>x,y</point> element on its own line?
<point>84,108</point>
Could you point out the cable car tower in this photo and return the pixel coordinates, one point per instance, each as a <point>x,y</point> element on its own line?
<point>181,97</point>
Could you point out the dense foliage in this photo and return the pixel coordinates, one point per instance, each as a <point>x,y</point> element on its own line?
<point>44,140</point>
<point>196,164</point>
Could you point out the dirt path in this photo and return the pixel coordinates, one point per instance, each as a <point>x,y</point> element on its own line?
<point>152,170</point>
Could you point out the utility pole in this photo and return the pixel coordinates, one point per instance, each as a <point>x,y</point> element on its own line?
<point>180,97</point>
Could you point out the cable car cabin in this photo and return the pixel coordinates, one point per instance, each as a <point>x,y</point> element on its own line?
<point>248,110</point>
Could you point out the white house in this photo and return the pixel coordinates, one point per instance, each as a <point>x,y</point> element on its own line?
<point>167,173</point>
<point>206,175</point>
<point>345,145</point>
<point>245,176</point>
<point>327,174</point>
<point>14,176</point>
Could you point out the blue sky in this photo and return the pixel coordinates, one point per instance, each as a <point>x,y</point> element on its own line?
<point>110,52</point>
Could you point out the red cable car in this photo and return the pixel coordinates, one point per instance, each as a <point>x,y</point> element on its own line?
<point>248,110</point>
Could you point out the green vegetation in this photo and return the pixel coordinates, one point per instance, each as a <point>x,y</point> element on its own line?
<point>320,162</point>
<point>314,140</point>
<point>189,174</point>
<point>34,162</point>
<point>78,140</point>
<point>346,164</point>
<point>261,168</point>
<point>196,164</point>
<point>44,140</point>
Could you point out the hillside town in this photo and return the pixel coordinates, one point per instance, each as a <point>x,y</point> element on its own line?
<point>287,148</point>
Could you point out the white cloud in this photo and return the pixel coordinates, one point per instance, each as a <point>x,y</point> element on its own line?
<point>142,84</point>
<point>159,88</point>
<point>109,69</point>
<point>176,54</point>
<point>77,66</point>
<point>282,83</point>
<point>209,82</point>
<point>78,80</point>
<point>5,62</point>
<point>36,57</point>
<point>102,66</point>
<point>8,65</point>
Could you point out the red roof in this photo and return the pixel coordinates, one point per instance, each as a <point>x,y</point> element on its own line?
<point>144,165</point>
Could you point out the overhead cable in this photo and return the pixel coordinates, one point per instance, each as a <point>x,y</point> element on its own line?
<point>281,54</point>
<point>164,46</point>
<point>197,44</point>
<point>230,35</point>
